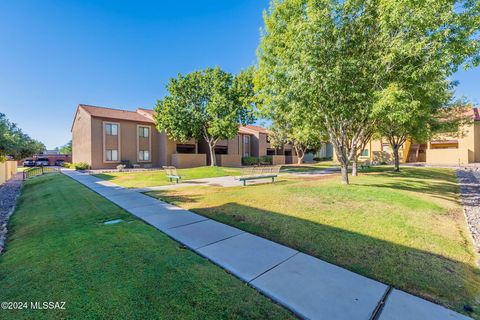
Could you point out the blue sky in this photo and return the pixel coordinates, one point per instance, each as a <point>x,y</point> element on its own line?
<point>57,54</point>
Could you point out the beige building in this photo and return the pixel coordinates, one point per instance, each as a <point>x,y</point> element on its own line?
<point>443,150</point>
<point>251,141</point>
<point>105,138</point>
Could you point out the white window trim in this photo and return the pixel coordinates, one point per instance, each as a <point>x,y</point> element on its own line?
<point>149,143</point>
<point>104,147</point>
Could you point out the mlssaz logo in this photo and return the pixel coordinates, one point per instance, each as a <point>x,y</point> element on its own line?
<point>37,305</point>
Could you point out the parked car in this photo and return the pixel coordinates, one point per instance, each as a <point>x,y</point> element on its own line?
<point>42,162</point>
<point>29,163</point>
<point>59,163</point>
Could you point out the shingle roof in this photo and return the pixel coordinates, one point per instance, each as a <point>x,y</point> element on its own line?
<point>102,112</point>
<point>149,113</point>
<point>249,128</point>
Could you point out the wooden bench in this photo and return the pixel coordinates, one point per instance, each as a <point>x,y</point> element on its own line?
<point>259,172</point>
<point>171,173</point>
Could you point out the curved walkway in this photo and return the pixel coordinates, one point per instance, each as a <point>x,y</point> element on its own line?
<point>310,287</point>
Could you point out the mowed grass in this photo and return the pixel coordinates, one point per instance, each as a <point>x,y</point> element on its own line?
<point>60,250</point>
<point>405,229</point>
<point>158,178</point>
<point>308,167</point>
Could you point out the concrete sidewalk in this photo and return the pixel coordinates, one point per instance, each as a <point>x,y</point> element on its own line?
<point>311,288</point>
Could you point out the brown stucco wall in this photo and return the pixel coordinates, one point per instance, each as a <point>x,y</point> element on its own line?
<point>188,160</point>
<point>7,170</point>
<point>82,137</point>
<point>229,160</point>
<point>130,144</point>
<point>477,141</point>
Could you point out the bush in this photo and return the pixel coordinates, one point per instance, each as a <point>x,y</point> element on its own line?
<point>67,165</point>
<point>323,159</point>
<point>251,161</point>
<point>266,160</point>
<point>81,166</point>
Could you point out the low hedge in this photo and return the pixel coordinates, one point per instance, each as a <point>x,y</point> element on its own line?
<point>251,161</point>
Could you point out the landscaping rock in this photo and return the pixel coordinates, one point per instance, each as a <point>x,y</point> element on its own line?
<point>9,192</point>
<point>470,193</point>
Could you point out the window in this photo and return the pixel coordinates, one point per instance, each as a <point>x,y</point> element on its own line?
<point>364,153</point>
<point>268,138</point>
<point>221,150</point>
<point>112,155</point>
<point>111,129</point>
<point>185,148</point>
<point>143,132</point>
<point>144,155</point>
<point>270,152</point>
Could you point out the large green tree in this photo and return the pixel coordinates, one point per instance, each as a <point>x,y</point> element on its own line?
<point>15,143</point>
<point>208,104</point>
<point>323,55</point>
<point>428,42</point>
<point>335,57</point>
<point>66,148</point>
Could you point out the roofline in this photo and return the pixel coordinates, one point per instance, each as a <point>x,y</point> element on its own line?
<point>253,130</point>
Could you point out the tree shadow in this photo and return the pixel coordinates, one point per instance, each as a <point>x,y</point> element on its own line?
<point>439,184</point>
<point>432,276</point>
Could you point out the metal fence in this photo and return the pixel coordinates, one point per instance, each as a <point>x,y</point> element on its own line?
<point>38,171</point>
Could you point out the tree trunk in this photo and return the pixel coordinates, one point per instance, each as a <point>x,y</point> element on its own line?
<point>213,159</point>
<point>344,171</point>
<point>300,154</point>
<point>355,167</point>
<point>300,158</point>
<point>397,158</point>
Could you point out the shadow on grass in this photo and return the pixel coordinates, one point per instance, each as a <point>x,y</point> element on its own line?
<point>437,183</point>
<point>106,177</point>
<point>432,276</point>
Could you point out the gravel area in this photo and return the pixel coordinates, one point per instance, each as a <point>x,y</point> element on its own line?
<point>9,191</point>
<point>470,193</point>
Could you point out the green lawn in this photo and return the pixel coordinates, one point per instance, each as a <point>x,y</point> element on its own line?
<point>158,178</point>
<point>405,229</point>
<point>60,250</point>
<point>309,166</point>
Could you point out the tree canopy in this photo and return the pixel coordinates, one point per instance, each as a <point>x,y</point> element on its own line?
<point>15,143</point>
<point>208,104</point>
<point>66,148</point>
<point>342,62</point>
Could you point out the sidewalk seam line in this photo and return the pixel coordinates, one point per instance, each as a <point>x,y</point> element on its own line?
<point>381,304</point>
<point>281,262</point>
<point>219,240</point>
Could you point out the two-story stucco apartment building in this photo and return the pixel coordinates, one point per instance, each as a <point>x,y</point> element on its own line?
<point>443,150</point>
<point>106,137</point>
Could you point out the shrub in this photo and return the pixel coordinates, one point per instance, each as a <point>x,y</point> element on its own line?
<point>81,166</point>
<point>67,165</point>
<point>250,161</point>
<point>322,159</point>
<point>266,160</point>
